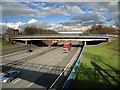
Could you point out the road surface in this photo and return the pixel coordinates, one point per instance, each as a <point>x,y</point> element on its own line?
<point>42,71</point>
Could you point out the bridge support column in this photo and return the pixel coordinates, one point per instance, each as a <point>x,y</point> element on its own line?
<point>84,43</point>
<point>25,42</point>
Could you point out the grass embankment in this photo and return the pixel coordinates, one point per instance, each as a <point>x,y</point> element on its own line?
<point>6,45</point>
<point>98,67</point>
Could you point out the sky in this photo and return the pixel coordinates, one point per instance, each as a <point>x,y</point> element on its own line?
<point>66,13</point>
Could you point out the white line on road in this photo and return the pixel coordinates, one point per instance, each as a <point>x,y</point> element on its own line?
<point>60,60</point>
<point>2,63</point>
<point>37,68</point>
<point>51,59</point>
<point>40,66</point>
<point>16,81</point>
<point>21,65</point>
<point>61,72</point>
<point>30,84</point>
<point>1,73</point>
<point>26,67</point>
<point>50,68</point>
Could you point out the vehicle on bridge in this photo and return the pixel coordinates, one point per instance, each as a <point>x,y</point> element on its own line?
<point>55,42</point>
<point>67,47</point>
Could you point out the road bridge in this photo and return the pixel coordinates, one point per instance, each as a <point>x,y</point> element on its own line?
<point>85,38</point>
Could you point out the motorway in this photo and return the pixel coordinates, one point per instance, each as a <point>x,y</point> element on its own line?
<point>22,54</point>
<point>41,71</point>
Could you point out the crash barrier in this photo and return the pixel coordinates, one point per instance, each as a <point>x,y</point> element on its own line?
<point>16,49</point>
<point>8,66</point>
<point>67,84</point>
<point>59,81</point>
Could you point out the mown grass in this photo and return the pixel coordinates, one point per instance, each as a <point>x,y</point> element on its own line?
<point>6,45</point>
<point>98,67</point>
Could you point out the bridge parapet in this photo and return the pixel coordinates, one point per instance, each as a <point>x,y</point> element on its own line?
<point>77,38</point>
<point>58,37</point>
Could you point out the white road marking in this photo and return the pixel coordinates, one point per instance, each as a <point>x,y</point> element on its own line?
<point>40,66</point>
<point>60,60</point>
<point>21,65</point>
<point>2,64</point>
<point>61,72</point>
<point>51,59</point>
<point>24,64</point>
<point>1,73</point>
<point>26,67</point>
<point>50,68</point>
<point>59,54</point>
<point>30,84</point>
<point>16,81</point>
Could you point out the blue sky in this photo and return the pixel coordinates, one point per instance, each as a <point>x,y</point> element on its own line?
<point>49,19</point>
<point>60,12</point>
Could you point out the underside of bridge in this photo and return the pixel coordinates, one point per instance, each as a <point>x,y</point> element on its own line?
<point>94,42</point>
<point>46,43</point>
<point>36,42</point>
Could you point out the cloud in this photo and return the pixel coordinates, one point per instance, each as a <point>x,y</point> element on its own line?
<point>37,9</point>
<point>17,9</point>
<point>42,10</point>
<point>35,5</point>
<point>86,18</point>
<point>89,19</point>
<point>60,0</point>
<point>113,4</point>
<point>54,11</point>
<point>92,22</point>
<point>63,10</point>
<point>96,12</point>
<point>40,5</point>
<point>34,23</point>
<point>74,9</point>
<point>96,6</point>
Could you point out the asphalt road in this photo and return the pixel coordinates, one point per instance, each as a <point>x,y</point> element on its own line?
<point>40,72</point>
<point>18,55</point>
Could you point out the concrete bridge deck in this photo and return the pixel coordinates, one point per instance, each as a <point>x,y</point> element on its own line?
<point>59,37</point>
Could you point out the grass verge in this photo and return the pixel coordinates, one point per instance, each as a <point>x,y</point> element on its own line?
<point>6,45</point>
<point>98,67</point>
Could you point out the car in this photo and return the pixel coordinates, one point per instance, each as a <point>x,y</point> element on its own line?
<point>9,76</point>
<point>29,50</point>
